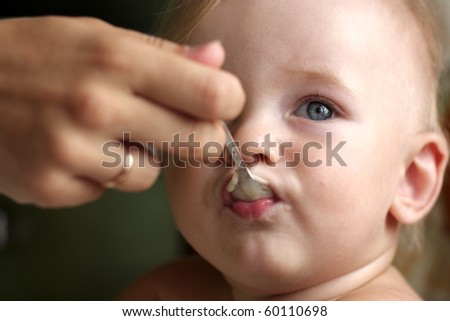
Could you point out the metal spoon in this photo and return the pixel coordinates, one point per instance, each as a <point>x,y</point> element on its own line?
<point>251,187</point>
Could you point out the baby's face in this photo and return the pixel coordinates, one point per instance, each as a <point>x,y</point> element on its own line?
<point>308,68</point>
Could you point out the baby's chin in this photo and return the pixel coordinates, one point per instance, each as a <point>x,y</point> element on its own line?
<point>268,280</point>
<point>265,270</point>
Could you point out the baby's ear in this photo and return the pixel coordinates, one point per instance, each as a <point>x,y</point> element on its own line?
<point>422,181</point>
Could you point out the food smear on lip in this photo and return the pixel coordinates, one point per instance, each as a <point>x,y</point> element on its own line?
<point>244,188</point>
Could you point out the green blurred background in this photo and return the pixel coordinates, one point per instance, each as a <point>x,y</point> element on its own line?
<point>94,251</point>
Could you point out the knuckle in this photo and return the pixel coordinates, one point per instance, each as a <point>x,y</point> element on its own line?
<point>60,151</point>
<point>164,44</point>
<point>90,107</point>
<point>99,52</point>
<point>108,55</point>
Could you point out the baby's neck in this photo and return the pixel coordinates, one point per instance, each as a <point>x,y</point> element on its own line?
<point>333,289</point>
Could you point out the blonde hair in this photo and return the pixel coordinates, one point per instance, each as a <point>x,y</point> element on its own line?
<point>181,17</point>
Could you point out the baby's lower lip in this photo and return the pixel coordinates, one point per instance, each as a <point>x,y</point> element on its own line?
<point>251,210</point>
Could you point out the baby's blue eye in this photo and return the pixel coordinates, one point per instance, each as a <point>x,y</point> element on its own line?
<point>315,110</point>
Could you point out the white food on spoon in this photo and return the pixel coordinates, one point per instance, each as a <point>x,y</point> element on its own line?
<point>243,187</point>
<point>233,182</point>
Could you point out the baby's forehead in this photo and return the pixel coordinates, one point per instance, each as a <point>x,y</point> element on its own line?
<point>377,25</point>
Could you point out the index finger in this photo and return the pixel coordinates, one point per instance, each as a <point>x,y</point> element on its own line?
<point>161,74</point>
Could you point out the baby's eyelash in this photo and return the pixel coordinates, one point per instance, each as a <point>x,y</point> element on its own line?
<point>319,98</point>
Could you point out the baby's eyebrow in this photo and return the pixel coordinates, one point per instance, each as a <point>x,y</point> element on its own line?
<point>327,76</point>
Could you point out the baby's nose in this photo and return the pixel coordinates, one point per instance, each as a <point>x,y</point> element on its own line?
<point>256,143</point>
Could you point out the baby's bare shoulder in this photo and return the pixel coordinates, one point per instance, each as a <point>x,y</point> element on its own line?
<point>190,278</point>
<point>389,286</point>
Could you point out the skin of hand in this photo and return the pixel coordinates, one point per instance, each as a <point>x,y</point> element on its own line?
<point>69,85</point>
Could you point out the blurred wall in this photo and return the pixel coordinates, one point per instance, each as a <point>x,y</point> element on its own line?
<point>88,253</point>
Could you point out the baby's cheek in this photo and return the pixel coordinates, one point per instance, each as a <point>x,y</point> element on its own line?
<point>189,191</point>
<point>366,187</point>
<point>185,186</point>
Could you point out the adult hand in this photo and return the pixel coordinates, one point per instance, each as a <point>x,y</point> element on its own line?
<point>69,85</point>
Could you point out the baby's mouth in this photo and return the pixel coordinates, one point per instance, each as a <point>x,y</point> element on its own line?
<point>250,199</point>
<point>243,188</point>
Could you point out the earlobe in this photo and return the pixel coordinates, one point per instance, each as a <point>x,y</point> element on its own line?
<point>421,183</point>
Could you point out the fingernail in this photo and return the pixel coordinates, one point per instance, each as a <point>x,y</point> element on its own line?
<point>192,50</point>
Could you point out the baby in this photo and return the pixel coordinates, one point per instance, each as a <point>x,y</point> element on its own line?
<point>353,78</point>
